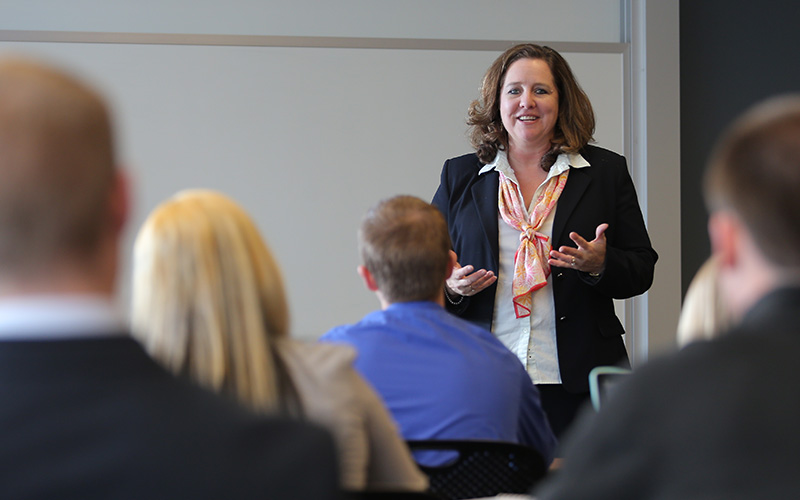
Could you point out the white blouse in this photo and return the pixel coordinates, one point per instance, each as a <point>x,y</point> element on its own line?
<point>533,338</point>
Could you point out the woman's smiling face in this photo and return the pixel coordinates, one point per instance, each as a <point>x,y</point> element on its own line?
<point>529,104</point>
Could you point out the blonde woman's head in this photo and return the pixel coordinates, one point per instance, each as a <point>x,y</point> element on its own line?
<point>704,314</point>
<point>208,298</point>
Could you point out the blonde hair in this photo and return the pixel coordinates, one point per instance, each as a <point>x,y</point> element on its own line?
<point>209,301</point>
<point>703,314</point>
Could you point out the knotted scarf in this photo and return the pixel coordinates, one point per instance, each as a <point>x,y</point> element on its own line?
<point>531,268</point>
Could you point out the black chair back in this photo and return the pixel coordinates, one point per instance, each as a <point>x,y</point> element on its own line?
<point>481,468</point>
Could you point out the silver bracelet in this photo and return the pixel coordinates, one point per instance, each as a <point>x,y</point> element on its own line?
<point>451,300</point>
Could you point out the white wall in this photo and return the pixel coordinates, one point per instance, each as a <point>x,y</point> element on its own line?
<point>655,155</point>
<point>309,114</point>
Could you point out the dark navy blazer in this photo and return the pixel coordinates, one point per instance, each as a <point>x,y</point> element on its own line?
<point>588,331</point>
<point>97,418</point>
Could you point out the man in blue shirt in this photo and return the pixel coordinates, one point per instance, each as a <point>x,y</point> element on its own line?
<point>441,377</point>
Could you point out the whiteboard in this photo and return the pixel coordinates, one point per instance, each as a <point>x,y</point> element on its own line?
<point>306,139</point>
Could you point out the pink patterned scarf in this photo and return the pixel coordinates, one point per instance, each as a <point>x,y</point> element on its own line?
<point>531,268</point>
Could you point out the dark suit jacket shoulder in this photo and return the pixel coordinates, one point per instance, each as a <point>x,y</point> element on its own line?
<point>588,331</point>
<point>716,420</point>
<point>97,418</point>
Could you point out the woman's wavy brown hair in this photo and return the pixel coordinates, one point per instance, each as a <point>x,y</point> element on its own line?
<point>574,127</point>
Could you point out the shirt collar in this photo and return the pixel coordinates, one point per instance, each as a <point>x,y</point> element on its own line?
<point>53,317</point>
<point>414,304</point>
<point>562,163</point>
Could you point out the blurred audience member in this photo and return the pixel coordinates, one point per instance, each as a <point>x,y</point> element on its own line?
<point>703,314</point>
<point>718,419</point>
<point>209,303</point>
<point>85,411</point>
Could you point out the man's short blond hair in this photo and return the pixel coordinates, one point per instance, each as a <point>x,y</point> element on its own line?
<point>56,167</point>
<point>405,245</point>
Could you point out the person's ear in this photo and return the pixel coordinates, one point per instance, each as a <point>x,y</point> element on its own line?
<point>724,230</point>
<point>369,279</point>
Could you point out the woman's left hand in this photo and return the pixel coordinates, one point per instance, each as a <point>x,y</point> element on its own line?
<point>589,257</point>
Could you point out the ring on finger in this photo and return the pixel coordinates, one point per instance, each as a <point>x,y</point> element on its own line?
<point>573,262</point>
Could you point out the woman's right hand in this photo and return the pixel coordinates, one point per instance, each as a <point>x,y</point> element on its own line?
<point>463,281</point>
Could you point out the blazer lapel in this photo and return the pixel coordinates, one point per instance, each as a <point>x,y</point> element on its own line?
<point>484,194</point>
<point>577,183</point>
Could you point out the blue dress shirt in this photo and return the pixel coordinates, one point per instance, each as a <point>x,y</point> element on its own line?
<point>445,378</point>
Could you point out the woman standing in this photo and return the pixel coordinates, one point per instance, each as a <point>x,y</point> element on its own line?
<point>548,228</point>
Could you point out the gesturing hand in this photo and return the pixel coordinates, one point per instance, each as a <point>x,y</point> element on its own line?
<point>464,281</point>
<point>589,257</point>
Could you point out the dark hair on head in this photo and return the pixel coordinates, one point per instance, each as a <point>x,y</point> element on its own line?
<point>574,127</point>
<point>405,245</point>
<point>755,172</point>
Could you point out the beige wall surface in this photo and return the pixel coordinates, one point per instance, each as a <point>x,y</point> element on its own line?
<point>311,113</point>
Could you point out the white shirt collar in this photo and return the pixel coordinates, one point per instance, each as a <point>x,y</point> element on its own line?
<point>562,163</point>
<point>53,317</point>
